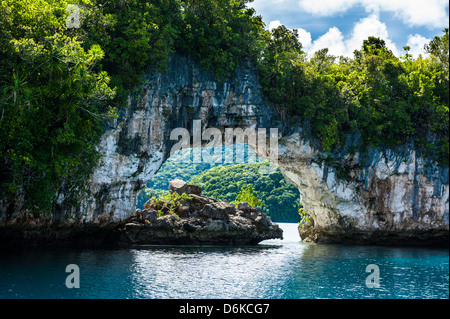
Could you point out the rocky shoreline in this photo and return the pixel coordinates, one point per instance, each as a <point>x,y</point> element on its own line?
<point>196,219</point>
<point>397,238</point>
<point>190,219</point>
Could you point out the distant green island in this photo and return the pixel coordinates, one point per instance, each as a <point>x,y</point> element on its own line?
<point>281,201</point>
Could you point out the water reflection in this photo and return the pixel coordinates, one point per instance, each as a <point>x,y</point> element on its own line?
<point>214,272</point>
<point>287,269</point>
<point>198,272</point>
<point>339,271</point>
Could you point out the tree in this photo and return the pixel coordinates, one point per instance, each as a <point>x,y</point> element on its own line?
<point>279,66</point>
<point>220,34</point>
<point>246,195</point>
<point>439,48</point>
<point>136,35</point>
<point>53,101</point>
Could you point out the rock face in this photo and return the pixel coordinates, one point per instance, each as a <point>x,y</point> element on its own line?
<point>198,220</point>
<point>378,196</point>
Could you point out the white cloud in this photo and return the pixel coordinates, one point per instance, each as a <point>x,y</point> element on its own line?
<point>367,27</point>
<point>417,42</point>
<point>345,44</point>
<point>333,40</point>
<point>274,24</point>
<point>429,13</point>
<point>304,37</point>
<point>338,45</point>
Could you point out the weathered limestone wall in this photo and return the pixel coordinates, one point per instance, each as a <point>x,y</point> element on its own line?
<point>384,196</point>
<point>392,197</point>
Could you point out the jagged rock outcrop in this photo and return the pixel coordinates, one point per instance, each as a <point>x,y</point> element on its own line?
<point>196,220</point>
<point>181,187</point>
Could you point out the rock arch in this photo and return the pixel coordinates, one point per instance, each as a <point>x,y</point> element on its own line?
<point>385,196</point>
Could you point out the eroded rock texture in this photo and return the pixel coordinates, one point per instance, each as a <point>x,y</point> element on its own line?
<point>380,197</point>
<point>197,220</point>
<point>376,196</point>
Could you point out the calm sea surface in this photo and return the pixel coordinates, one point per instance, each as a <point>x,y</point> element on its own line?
<point>275,269</point>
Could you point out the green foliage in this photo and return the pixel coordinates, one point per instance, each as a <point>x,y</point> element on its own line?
<point>181,166</point>
<point>220,34</point>
<point>224,182</point>
<point>135,35</point>
<point>167,203</point>
<point>52,104</point>
<point>246,195</point>
<point>304,218</point>
<point>389,100</point>
<point>276,66</point>
<point>438,47</point>
<point>141,34</point>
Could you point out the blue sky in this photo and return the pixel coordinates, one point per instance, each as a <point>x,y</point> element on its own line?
<point>342,25</point>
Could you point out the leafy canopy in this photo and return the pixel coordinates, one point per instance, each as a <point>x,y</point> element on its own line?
<point>53,100</point>
<point>389,100</point>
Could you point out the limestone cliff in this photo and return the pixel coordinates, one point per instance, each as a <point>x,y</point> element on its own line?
<point>376,196</point>
<point>380,196</point>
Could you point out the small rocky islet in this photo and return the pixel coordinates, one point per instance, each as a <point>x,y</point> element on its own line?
<point>191,218</point>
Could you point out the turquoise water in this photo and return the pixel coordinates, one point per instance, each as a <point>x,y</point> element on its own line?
<point>275,269</point>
